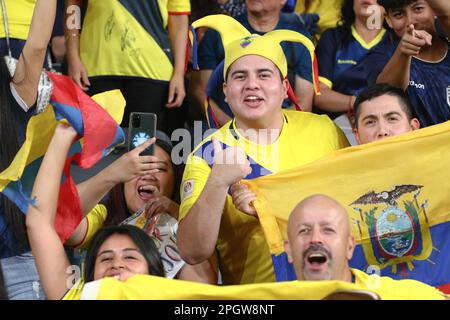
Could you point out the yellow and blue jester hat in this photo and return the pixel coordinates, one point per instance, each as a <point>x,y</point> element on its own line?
<point>238,42</point>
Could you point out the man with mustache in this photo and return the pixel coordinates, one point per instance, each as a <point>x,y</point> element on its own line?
<point>320,246</point>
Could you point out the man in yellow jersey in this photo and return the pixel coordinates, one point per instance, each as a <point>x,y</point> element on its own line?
<point>216,212</point>
<point>320,246</point>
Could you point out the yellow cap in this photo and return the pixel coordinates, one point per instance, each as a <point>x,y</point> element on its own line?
<point>238,42</point>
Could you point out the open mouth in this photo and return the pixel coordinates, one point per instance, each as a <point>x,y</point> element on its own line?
<point>252,100</point>
<point>146,192</point>
<point>317,258</point>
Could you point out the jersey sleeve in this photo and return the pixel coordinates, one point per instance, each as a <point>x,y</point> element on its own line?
<point>326,52</point>
<point>303,67</point>
<point>179,7</point>
<point>94,222</point>
<point>215,82</point>
<point>297,56</point>
<point>210,50</point>
<point>195,176</point>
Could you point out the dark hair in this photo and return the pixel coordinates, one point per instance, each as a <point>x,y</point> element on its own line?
<point>348,15</point>
<point>116,205</point>
<point>395,4</point>
<point>378,90</point>
<point>145,244</point>
<point>9,145</point>
<point>201,8</point>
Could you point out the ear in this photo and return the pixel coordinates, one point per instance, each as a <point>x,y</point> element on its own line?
<point>350,247</point>
<point>356,133</point>
<point>388,20</point>
<point>285,87</point>
<point>414,123</point>
<point>225,88</point>
<point>287,248</point>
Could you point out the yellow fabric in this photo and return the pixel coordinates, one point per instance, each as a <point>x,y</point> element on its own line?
<point>175,7</point>
<point>75,292</point>
<point>114,43</point>
<point>420,158</point>
<point>390,289</point>
<point>326,82</point>
<point>19,13</point>
<point>238,42</point>
<point>95,221</point>
<point>147,287</point>
<point>40,130</point>
<point>372,43</point>
<point>243,253</point>
<point>329,11</point>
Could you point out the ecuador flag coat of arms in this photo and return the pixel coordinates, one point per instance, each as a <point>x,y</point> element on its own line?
<point>397,196</point>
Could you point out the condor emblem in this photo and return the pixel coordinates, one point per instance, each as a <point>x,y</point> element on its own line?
<point>394,228</point>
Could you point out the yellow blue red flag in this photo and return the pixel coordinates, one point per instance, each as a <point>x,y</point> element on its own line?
<point>146,287</point>
<point>396,192</point>
<point>100,132</point>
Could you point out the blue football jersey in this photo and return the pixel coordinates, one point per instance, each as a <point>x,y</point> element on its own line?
<point>340,55</point>
<point>429,90</point>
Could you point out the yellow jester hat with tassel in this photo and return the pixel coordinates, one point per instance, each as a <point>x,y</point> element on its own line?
<point>238,42</point>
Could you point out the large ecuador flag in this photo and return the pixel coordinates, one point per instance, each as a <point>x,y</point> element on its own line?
<point>100,132</point>
<point>397,195</point>
<point>146,287</point>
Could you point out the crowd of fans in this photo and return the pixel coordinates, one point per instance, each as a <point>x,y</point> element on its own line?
<point>383,67</point>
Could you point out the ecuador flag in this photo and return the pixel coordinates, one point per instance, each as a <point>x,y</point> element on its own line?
<point>146,287</point>
<point>99,131</point>
<point>396,192</point>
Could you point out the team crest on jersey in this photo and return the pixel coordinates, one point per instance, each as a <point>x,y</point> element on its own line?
<point>394,228</point>
<point>247,40</point>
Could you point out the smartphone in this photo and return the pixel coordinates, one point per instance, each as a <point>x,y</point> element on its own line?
<point>142,127</point>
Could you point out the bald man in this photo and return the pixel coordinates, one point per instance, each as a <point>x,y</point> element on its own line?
<point>320,245</point>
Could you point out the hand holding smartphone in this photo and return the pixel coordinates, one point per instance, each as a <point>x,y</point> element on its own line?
<point>141,128</point>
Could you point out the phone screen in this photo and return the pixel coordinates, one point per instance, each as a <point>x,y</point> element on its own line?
<point>139,138</point>
<point>142,127</point>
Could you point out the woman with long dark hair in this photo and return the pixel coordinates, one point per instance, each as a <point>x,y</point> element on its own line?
<point>18,96</point>
<point>119,252</point>
<point>157,190</point>
<point>341,52</point>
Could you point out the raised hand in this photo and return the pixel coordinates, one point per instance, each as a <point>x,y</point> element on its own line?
<point>230,164</point>
<point>132,165</point>
<point>160,204</point>
<point>413,41</point>
<point>65,133</point>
